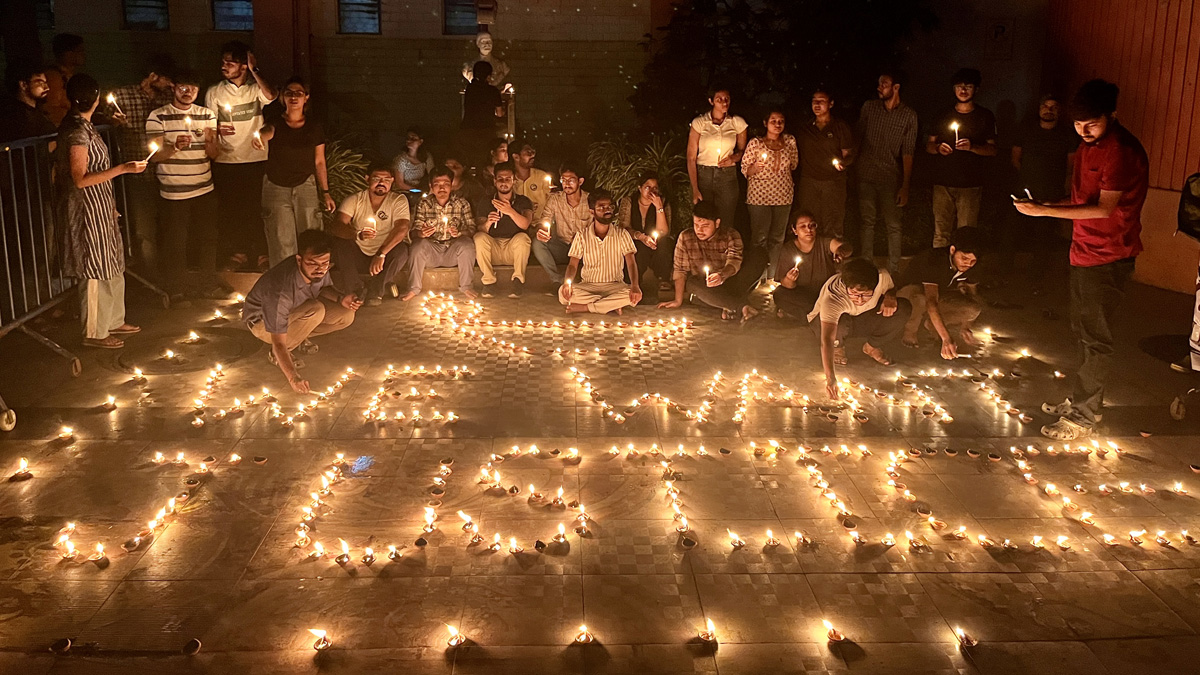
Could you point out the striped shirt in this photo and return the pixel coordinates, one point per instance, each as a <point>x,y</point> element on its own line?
<point>91,243</point>
<point>885,136</point>
<point>566,220</point>
<point>603,259</point>
<point>187,173</point>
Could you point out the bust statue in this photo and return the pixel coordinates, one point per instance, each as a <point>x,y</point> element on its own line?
<point>483,42</point>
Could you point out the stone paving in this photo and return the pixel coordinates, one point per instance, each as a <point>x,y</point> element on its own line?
<point>225,566</point>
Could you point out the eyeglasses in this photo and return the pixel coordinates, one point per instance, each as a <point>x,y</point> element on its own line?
<point>317,266</point>
<point>859,295</point>
<point>294,93</point>
<point>185,88</point>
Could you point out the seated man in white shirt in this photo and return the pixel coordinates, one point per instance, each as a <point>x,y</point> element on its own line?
<point>607,253</point>
<point>858,302</point>
<point>371,235</point>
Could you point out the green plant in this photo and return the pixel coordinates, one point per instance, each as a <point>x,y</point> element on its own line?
<point>616,164</point>
<point>347,170</point>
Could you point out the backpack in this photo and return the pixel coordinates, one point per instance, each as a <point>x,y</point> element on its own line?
<point>1189,207</point>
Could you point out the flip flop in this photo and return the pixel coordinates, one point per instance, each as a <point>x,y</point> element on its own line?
<point>839,356</point>
<point>125,329</point>
<point>109,342</point>
<point>878,355</point>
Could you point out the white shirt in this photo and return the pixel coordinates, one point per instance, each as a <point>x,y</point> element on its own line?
<point>245,112</point>
<point>358,206</point>
<point>603,259</point>
<point>716,142</point>
<point>187,173</point>
<point>834,300</point>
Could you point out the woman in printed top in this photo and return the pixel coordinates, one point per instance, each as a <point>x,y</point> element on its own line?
<point>411,167</point>
<point>768,165</point>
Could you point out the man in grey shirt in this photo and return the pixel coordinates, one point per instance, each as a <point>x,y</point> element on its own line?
<point>888,132</point>
<point>296,299</point>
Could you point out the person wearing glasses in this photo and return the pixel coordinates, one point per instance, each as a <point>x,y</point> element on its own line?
<point>860,301</point>
<point>803,265</point>
<point>295,300</point>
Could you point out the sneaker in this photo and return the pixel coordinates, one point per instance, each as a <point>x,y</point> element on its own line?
<point>374,301</point>
<point>489,290</point>
<point>1066,430</point>
<point>1063,409</point>
<point>296,360</point>
<point>1183,365</point>
<point>308,347</point>
<point>518,289</point>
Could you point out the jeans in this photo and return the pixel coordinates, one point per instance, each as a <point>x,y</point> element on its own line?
<point>101,305</point>
<point>458,252</point>
<point>953,208</point>
<point>490,251</point>
<point>826,199</point>
<point>795,302</point>
<point>188,225</point>
<point>768,224</point>
<point>551,254</point>
<point>719,185</point>
<point>957,309</point>
<point>1096,292</point>
<point>239,195</point>
<point>874,199</point>
<point>350,265</point>
<point>879,330</point>
<point>731,295</point>
<point>311,317</point>
<point>286,213</point>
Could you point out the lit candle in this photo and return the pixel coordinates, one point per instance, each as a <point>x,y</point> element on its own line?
<point>709,634</point>
<point>832,633</point>
<point>153,149</point>
<point>583,637</point>
<point>964,639</point>
<point>112,100</point>
<point>954,126</point>
<point>322,642</point>
<point>456,638</point>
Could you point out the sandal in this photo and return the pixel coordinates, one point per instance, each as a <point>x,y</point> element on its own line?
<point>877,354</point>
<point>126,329</point>
<point>109,342</point>
<point>1066,430</point>
<point>839,356</point>
<point>748,313</point>
<point>727,315</point>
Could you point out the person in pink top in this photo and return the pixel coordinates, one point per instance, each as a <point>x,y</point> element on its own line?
<point>1108,188</point>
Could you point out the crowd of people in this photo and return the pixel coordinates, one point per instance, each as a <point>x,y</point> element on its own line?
<point>215,176</point>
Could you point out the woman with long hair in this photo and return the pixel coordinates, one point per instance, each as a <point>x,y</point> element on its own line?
<point>296,186</point>
<point>410,167</point>
<point>87,211</point>
<point>768,165</point>
<point>648,219</point>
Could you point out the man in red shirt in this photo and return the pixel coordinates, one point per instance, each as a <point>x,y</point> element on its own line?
<point>1108,189</point>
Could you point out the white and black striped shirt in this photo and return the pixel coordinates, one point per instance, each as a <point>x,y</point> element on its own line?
<point>603,259</point>
<point>187,173</point>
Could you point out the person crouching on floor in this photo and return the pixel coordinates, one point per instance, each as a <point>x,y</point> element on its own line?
<point>937,285</point>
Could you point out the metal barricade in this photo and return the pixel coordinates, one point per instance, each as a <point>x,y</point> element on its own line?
<point>31,277</point>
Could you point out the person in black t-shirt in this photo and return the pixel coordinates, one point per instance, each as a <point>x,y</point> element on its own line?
<point>20,115</point>
<point>963,139</point>
<point>941,293</point>
<point>483,107</point>
<point>502,236</point>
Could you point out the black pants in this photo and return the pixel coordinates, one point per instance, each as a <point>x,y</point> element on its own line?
<point>350,265</point>
<point>1096,292</point>
<point>731,295</point>
<point>187,228</point>
<point>660,259</point>
<point>239,194</point>
<point>879,330</point>
<point>795,302</point>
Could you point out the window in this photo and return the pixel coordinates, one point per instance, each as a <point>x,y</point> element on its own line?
<point>358,16</point>
<point>44,9</point>
<point>458,17</point>
<point>233,14</point>
<point>146,15</point>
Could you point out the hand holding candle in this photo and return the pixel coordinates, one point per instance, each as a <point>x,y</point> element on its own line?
<point>112,100</point>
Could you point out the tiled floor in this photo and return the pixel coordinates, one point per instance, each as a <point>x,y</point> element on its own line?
<point>225,567</point>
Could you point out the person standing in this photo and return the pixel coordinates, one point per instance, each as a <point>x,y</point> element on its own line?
<point>826,151</point>
<point>370,233</point>
<point>238,171</point>
<point>712,267</point>
<point>91,246</point>
<point>566,213</point>
<point>648,219</point>
<point>962,140</point>
<point>887,131</point>
<point>483,107</point>
<point>607,254</point>
<point>804,265</point>
<point>1042,155</point>
<point>442,235</point>
<point>21,116</point>
<point>297,185</point>
<point>716,142</point>
<point>131,107</point>
<point>502,236</point>
<point>69,57</point>
<point>187,138</point>
<point>530,182</point>
<point>1109,183</point>
<point>768,164</point>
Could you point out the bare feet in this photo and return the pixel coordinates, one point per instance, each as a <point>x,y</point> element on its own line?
<point>410,295</point>
<point>748,313</point>
<point>619,312</point>
<point>877,354</point>
<point>839,356</point>
<point>470,293</point>
<point>728,315</point>
<point>967,337</point>
<point>910,341</point>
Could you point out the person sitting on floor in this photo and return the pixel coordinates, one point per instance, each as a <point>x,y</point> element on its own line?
<point>442,236</point>
<point>296,299</point>
<point>607,253</point>
<point>804,265</point>
<point>936,284</point>
<point>371,230</point>
<point>709,265</point>
<point>857,302</point>
<point>503,237</point>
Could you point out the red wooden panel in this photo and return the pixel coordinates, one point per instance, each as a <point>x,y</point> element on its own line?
<point>1178,48</point>
<point>1154,90</point>
<point>1190,138</point>
<point>1136,71</point>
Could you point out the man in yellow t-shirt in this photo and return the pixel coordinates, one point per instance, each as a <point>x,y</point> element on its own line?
<point>529,182</point>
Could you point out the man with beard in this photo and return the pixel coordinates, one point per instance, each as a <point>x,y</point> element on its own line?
<point>21,116</point>
<point>713,267</point>
<point>942,294</point>
<point>565,215</point>
<point>530,181</point>
<point>296,299</point>
<point>502,237</point>
<point>887,129</point>
<point>825,154</point>
<point>962,140</point>
<point>442,235</point>
<point>607,253</point>
<point>1108,188</point>
<point>371,235</point>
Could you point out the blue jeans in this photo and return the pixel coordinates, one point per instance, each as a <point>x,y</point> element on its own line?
<point>768,225</point>
<point>719,185</point>
<point>874,198</point>
<point>550,254</point>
